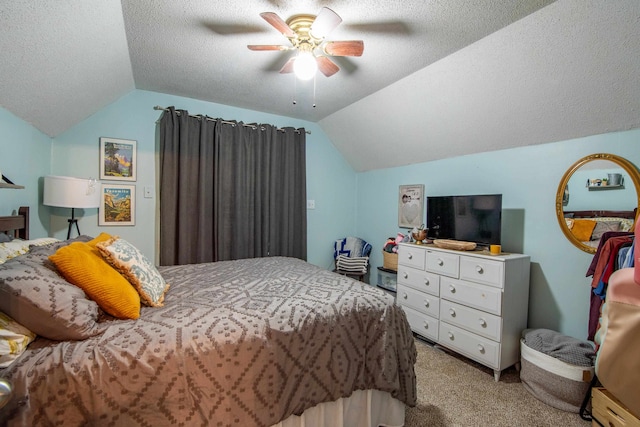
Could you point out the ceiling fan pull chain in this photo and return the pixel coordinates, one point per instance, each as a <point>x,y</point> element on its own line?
<point>295,89</point>
<point>314,90</point>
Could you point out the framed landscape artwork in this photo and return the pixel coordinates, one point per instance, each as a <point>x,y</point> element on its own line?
<point>117,205</point>
<point>118,159</point>
<point>411,206</point>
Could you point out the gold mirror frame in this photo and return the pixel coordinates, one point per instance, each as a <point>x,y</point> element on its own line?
<point>625,164</point>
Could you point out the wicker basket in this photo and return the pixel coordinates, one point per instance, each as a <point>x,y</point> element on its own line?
<point>390,260</point>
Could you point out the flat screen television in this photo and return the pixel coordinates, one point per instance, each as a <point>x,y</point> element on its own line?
<point>475,218</point>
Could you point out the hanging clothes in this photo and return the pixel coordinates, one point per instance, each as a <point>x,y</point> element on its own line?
<point>605,262</point>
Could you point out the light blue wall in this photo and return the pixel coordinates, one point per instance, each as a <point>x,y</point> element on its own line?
<point>331,182</point>
<point>528,179</point>
<point>25,155</point>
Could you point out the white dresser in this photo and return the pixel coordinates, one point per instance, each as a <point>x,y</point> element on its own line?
<point>471,302</point>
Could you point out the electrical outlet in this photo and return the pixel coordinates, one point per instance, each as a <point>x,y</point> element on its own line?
<point>311,204</point>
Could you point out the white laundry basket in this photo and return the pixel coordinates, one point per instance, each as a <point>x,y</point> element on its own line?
<point>553,381</point>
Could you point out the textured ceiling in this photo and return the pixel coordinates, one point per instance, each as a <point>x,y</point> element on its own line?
<point>450,67</point>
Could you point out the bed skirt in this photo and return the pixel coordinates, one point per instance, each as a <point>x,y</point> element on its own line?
<point>364,408</point>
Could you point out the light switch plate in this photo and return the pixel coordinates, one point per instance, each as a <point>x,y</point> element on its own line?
<point>148,192</point>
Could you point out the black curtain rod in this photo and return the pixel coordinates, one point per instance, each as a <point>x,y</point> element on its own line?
<point>157,107</point>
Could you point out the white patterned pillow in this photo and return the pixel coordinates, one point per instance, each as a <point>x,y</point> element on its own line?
<point>12,249</point>
<point>14,339</point>
<point>17,247</point>
<point>136,268</point>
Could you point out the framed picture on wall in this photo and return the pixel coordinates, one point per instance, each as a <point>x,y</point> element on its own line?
<point>117,205</point>
<point>118,159</point>
<point>411,206</point>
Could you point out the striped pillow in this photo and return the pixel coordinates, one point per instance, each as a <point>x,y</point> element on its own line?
<point>352,265</point>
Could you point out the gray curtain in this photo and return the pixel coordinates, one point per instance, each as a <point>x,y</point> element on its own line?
<point>230,191</point>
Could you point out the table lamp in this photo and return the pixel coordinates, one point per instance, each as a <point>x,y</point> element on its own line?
<point>69,192</point>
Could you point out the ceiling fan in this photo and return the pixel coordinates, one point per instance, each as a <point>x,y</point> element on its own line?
<point>307,34</point>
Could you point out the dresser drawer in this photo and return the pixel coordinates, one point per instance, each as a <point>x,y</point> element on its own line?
<point>482,297</point>
<point>474,346</point>
<point>422,324</point>
<point>473,320</point>
<point>483,271</point>
<point>411,256</point>
<point>420,301</point>
<point>419,279</point>
<point>443,263</point>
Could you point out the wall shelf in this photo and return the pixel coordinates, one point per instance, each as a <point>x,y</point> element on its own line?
<point>7,183</point>
<point>3,185</point>
<point>605,187</point>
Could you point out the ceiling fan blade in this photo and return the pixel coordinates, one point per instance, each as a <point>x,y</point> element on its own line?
<point>278,24</point>
<point>288,66</point>
<point>327,66</point>
<point>268,47</point>
<point>344,48</point>
<point>324,23</point>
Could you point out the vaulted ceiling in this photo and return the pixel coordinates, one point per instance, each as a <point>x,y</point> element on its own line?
<point>443,78</point>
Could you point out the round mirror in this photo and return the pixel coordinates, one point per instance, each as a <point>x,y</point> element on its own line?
<point>599,193</point>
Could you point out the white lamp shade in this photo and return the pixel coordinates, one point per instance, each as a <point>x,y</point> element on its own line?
<point>69,192</point>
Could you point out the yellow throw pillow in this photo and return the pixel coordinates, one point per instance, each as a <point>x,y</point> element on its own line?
<point>83,266</point>
<point>582,229</point>
<point>102,237</point>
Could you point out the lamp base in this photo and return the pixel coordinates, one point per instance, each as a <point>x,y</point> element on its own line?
<point>71,224</point>
<point>72,221</point>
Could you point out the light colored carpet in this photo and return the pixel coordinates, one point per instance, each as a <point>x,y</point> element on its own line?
<point>455,391</point>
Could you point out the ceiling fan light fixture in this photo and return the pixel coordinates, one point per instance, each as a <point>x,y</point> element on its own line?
<point>305,66</point>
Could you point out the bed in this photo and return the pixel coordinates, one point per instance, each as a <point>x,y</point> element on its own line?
<point>268,341</point>
<point>589,226</point>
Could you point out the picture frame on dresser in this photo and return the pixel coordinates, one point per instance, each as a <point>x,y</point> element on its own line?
<point>411,206</point>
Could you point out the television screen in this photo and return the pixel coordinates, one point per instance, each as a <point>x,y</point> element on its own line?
<point>475,218</point>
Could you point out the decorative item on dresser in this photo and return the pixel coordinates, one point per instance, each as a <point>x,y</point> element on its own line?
<point>473,303</point>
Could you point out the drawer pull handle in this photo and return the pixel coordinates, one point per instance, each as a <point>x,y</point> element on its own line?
<point>440,262</point>
<point>452,289</point>
<point>451,337</point>
<point>426,303</point>
<point>426,282</point>
<point>479,269</point>
<point>405,275</point>
<point>410,255</point>
<point>404,295</point>
<point>481,348</point>
<point>452,312</point>
<point>426,324</point>
<point>483,323</point>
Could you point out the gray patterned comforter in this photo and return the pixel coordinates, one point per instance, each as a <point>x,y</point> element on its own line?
<point>238,343</point>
